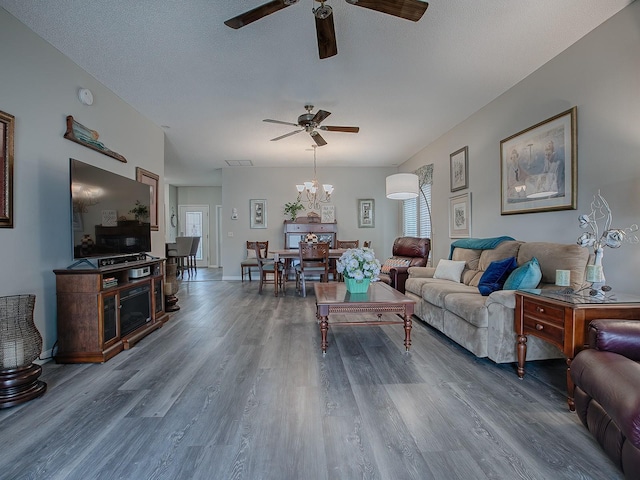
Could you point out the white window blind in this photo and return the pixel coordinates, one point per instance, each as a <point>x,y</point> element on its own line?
<point>416,215</point>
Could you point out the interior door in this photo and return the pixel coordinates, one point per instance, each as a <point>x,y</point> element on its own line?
<point>193,221</point>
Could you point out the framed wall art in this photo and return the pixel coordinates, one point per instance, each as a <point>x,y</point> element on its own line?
<point>7,125</point>
<point>258,213</point>
<point>151,179</point>
<point>460,216</point>
<point>538,167</point>
<point>366,213</point>
<point>459,169</point>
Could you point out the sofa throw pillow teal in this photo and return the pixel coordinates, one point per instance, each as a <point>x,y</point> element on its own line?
<point>527,275</point>
<point>495,275</point>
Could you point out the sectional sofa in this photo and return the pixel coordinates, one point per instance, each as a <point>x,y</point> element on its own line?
<point>484,324</point>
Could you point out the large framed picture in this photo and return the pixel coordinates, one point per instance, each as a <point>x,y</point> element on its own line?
<point>257,213</point>
<point>151,179</point>
<point>459,167</point>
<point>538,167</point>
<point>366,213</point>
<point>460,216</point>
<point>6,169</point>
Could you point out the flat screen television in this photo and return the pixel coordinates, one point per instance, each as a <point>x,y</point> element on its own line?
<point>102,223</point>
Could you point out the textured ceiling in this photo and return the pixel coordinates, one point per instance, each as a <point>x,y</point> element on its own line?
<point>403,83</point>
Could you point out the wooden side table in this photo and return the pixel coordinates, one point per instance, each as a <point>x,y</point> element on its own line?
<point>562,319</point>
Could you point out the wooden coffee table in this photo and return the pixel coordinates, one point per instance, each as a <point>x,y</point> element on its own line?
<point>333,297</point>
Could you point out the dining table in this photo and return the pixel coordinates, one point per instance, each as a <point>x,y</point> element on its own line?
<point>289,254</point>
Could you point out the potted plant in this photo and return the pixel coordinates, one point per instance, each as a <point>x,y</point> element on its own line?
<point>292,209</point>
<point>358,266</point>
<point>140,211</point>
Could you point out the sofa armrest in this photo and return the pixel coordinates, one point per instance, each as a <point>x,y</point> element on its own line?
<point>503,297</point>
<point>421,272</point>
<point>617,336</point>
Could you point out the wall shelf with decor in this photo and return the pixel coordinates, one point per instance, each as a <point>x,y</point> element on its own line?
<point>76,132</point>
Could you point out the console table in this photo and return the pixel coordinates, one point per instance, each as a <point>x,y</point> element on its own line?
<point>562,319</point>
<point>102,311</point>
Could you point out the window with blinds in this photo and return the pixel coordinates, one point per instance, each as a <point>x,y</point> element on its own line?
<point>416,214</point>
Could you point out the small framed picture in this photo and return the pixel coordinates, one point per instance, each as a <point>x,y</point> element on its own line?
<point>151,179</point>
<point>460,216</point>
<point>7,126</point>
<point>366,213</point>
<point>459,165</point>
<point>258,213</point>
<point>328,214</point>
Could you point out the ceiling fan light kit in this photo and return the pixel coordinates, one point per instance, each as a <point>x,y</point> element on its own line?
<point>325,30</point>
<point>308,122</point>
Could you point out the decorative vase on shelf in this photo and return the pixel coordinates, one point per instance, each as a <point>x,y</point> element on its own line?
<point>357,286</point>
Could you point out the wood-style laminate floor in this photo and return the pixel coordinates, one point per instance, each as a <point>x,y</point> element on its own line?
<point>234,386</point>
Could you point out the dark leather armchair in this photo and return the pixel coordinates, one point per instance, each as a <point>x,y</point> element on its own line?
<point>607,390</point>
<point>410,252</point>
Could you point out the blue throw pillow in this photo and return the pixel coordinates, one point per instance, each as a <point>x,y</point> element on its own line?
<point>495,275</point>
<point>525,276</point>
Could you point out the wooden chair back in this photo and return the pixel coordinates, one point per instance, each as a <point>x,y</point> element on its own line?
<point>347,243</point>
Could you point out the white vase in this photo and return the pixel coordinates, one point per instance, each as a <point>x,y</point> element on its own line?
<point>597,285</point>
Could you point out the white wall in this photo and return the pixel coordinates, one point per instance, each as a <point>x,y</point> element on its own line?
<point>38,85</point>
<point>600,74</point>
<point>277,186</point>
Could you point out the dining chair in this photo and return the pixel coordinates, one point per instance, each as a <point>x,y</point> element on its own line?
<point>271,272</point>
<point>251,262</point>
<point>181,252</point>
<point>332,262</point>
<point>191,260</point>
<point>314,259</point>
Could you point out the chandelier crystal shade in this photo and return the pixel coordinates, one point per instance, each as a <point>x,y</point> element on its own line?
<point>312,192</point>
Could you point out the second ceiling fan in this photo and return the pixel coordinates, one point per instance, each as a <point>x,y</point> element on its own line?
<point>325,31</point>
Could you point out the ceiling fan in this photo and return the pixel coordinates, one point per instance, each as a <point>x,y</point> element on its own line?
<point>309,122</point>
<point>325,31</point>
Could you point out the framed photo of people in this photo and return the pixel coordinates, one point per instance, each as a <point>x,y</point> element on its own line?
<point>538,167</point>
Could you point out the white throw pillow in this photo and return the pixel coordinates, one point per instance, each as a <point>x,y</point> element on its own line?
<point>449,270</point>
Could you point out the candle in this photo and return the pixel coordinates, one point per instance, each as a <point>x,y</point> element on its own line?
<point>563,278</point>
<point>594,273</point>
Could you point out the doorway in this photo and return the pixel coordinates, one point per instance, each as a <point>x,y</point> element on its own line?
<point>193,221</point>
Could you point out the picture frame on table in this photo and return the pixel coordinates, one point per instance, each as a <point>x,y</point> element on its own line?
<point>538,167</point>
<point>328,214</point>
<point>7,130</point>
<point>258,213</point>
<point>459,168</point>
<point>366,213</point>
<point>151,179</point>
<point>460,216</point>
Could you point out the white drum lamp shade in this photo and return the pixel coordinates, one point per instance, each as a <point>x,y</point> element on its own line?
<point>402,186</point>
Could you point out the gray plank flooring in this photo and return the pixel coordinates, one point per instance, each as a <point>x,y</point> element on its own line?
<point>234,386</point>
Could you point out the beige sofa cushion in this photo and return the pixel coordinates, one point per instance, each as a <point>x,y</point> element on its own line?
<point>556,256</point>
<point>479,260</point>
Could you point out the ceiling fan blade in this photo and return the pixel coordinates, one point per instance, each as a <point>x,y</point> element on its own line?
<point>278,121</point>
<point>318,138</point>
<point>287,135</point>
<point>340,129</point>
<point>320,116</point>
<point>407,9</point>
<point>257,13</point>
<point>326,33</point>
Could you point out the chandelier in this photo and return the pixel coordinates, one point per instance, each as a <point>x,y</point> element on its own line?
<point>313,195</point>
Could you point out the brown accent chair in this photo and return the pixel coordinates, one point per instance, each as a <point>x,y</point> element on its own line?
<point>607,395</point>
<point>413,252</point>
<point>250,262</point>
<point>271,272</point>
<point>314,259</point>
